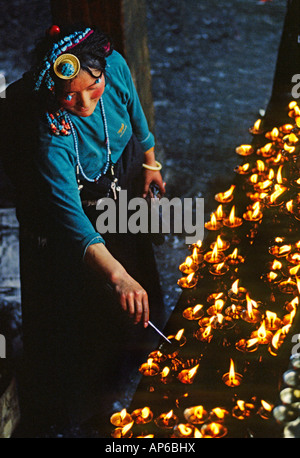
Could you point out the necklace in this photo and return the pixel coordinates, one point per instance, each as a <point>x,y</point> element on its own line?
<point>107,142</point>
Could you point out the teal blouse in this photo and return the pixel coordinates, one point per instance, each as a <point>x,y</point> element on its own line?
<point>56,159</point>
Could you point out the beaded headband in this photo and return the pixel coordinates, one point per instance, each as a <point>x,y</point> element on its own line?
<point>64,70</point>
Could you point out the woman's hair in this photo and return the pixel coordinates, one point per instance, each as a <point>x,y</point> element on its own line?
<point>91,51</point>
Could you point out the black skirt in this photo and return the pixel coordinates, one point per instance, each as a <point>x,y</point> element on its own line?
<point>81,351</point>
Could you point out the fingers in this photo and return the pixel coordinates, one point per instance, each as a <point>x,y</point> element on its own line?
<point>134,301</point>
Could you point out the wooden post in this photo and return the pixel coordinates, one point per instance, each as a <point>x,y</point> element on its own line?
<point>125,22</point>
<point>287,65</point>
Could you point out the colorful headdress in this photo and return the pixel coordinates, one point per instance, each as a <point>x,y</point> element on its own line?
<point>55,59</point>
<point>65,66</point>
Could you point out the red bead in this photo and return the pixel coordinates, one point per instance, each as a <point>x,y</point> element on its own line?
<point>54,30</point>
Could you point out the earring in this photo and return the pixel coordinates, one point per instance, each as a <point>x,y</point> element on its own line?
<point>68,97</point>
<point>98,80</point>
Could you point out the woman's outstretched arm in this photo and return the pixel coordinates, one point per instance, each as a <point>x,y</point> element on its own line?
<point>131,296</point>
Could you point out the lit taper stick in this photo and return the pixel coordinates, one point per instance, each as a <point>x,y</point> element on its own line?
<point>160,333</point>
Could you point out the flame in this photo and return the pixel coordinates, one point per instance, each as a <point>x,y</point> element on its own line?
<point>192,372</point>
<point>292,104</point>
<point>215,428</point>
<point>190,277</point>
<point>288,148</point>
<point>185,430</point>
<point>289,205</point>
<point>165,372</point>
<point>197,434</point>
<point>271,318</point>
<point>197,308</point>
<point>213,220</point>
<point>207,332</point>
<point>279,190</point>
<point>298,284</point>
<point>126,428</point>
<point>231,371</point>
<point>294,303</point>
<point>256,209</point>
<point>214,254</point>
<point>149,362</point>
<point>189,261</point>
<point>254,178</point>
<point>245,167</point>
<point>228,193</point>
<point>168,415</point>
<point>256,125</point>
<point>145,412</point>
<point>272,275</point>
<point>264,184</point>
<point>251,342</point>
<point>219,212</point>
<point>220,244</point>
<point>271,174</point>
<point>294,270</point>
<point>195,256</point>
<point>296,257</point>
<point>219,304</point>
<point>123,414</point>
<point>260,165</point>
<point>279,240</point>
<point>179,334</point>
<point>232,215</point>
<point>250,304</point>
<point>244,149</point>
<point>220,266</point>
<point>276,339</point>
<point>261,332</point>
<point>279,175</point>
<point>276,265</point>
<point>277,158</point>
<point>273,134</point>
<point>198,412</point>
<point>287,128</point>
<point>220,413</point>
<point>241,405</point>
<point>293,138</point>
<point>284,249</point>
<point>266,148</point>
<point>266,405</point>
<point>234,286</point>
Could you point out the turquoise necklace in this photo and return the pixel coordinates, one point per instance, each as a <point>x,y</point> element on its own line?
<point>107,142</point>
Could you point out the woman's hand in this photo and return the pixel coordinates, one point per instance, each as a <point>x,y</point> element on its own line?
<point>130,294</point>
<point>133,298</point>
<point>152,176</point>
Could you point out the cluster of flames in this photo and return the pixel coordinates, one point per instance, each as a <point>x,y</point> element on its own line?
<point>270,182</point>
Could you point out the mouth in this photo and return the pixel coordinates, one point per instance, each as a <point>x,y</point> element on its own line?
<point>83,110</point>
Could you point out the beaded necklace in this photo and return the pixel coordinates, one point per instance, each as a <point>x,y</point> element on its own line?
<point>107,142</point>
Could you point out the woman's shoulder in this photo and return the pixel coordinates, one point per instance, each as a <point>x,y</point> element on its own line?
<point>116,64</point>
<point>51,145</point>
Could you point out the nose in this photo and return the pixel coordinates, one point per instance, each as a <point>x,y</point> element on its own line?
<point>83,100</point>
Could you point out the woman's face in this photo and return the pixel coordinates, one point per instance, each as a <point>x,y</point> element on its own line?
<point>81,95</point>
